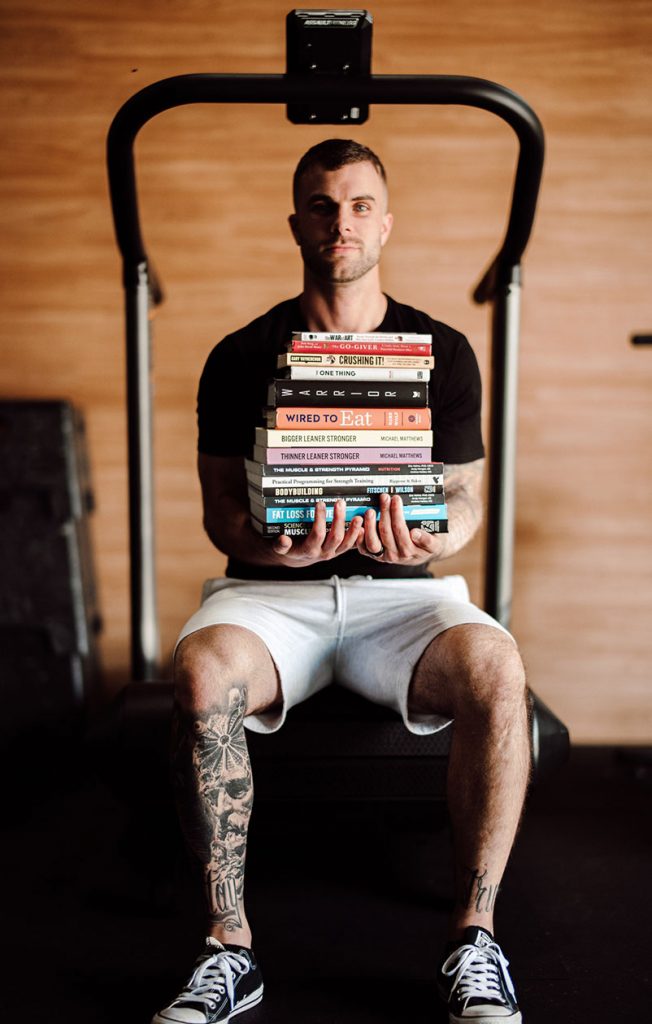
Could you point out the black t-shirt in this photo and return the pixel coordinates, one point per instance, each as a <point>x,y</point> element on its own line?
<point>233,392</point>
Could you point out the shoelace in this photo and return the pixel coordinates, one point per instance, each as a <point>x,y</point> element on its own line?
<point>213,976</point>
<point>476,974</point>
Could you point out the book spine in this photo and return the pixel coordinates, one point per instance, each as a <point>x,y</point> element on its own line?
<point>310,418</point>
<point>339,438</point>
<point>346,359</point>
<point>303,529</point>
<point>386,348</point>
<point>328,456</point>
<point>319,490</point>
<point>373,336</point>
<point>334,480</point>
<point>274,473</point>
<point>323,373</point>
<point>350,497</point>
<point>306,514</point>
<point>282,393</point>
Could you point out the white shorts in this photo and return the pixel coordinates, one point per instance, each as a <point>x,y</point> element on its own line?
<point>367,634</point>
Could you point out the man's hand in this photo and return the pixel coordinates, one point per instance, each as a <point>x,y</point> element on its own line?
<point>321,543</point>
<point>390,540</point>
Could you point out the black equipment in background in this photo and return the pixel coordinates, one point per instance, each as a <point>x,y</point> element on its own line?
<point>49,616</point>
<point>375,746</point>
<point>329,43</point>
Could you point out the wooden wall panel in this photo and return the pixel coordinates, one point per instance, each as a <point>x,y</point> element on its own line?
<point>215,188</point>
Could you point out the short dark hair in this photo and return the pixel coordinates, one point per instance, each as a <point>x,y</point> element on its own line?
<point>331,154</point>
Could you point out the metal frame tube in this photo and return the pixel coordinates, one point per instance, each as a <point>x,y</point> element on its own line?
<point>501,513</point>
<point>498,284</point>
<point>145,644</point>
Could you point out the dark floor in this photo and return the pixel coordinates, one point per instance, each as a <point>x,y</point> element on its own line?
<point>348,903</point>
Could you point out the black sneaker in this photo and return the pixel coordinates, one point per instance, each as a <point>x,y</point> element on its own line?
<point>475,983</point>
<point>226,981</point>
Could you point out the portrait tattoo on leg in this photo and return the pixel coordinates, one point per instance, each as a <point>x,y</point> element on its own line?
<point>214,787</point>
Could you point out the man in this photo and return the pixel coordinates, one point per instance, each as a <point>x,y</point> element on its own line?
<point>353,600</point>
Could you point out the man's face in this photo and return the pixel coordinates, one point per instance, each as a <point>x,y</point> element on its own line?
<point>341,221</point>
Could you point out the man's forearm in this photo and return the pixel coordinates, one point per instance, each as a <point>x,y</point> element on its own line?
<point>463,487</point>
<point>233,535</point>
<point>464,518</point>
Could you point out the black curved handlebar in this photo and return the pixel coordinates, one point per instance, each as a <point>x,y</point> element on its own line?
<point>285,89</point>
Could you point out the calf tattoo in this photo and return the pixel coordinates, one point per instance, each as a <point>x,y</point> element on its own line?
<point>214,788</point>
<point>478,894</point>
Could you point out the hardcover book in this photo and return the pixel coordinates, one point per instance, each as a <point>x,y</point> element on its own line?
<point>306,514</point>
<point>353,497</point>
<point>357,373</point>
<point>347,393</point>
<point>373,336</point>
<point>386,348</point>
<point>339,438</point>
<point>257,470</point>
<point>329,418</point>
<point>330,456</point>
<point>345,359</point>
<point>303,529</point>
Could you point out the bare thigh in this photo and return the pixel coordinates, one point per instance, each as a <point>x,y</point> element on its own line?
<point>210,661</point>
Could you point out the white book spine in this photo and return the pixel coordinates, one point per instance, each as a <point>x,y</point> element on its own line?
<point>357,438</point>
<point>355,373</point>
<point>380,337</point>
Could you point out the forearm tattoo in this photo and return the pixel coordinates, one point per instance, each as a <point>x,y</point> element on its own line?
<point>463,487</point>
<point>214,790</point>
<point>478,894</point>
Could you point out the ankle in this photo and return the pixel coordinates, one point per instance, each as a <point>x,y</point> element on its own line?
<point>234,937</point>
<point>460,922</point>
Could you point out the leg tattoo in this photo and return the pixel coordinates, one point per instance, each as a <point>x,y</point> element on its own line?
<point>214,789</point>
<point>478,895</point>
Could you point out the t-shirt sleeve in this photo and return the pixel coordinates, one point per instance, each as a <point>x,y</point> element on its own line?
<point>457,417</point>
<point>227,407</point>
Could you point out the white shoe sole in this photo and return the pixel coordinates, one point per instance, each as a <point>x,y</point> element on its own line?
<point>514,1018</point>
<point>251,1000</point>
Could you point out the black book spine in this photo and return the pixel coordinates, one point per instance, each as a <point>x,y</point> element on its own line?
<point>348,394</point>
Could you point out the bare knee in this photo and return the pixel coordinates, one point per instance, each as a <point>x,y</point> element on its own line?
<point>471,671</point>
<point>211,662</point>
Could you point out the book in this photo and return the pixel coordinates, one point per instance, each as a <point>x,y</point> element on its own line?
<point>303,529</point>
<point>348,393</point>
<point>336,481</point>
<point>268,438</point>
<point>350,359</point>
<point>261,470</point>
<point>353,497</point>
<point>372,336</point>
<point>331,418</point>
<point>385,348</point>
<point>352,373</point>
<point>329,456</point>
<point>306,513</point>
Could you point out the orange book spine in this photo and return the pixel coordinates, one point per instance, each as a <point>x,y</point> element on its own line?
<point>311,418</point>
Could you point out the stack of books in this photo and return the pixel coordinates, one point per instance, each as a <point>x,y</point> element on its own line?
<point>348,418</point>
